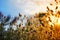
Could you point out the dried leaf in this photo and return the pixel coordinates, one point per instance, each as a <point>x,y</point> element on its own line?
<point>56,7</point>
<point>20,15</point>
<point>41,14</point>
<point>7,19</point>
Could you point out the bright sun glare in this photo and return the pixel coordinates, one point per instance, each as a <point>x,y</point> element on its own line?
<point>59,20</point>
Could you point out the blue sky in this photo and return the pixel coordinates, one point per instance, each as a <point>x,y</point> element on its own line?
<point>7,9</point>
<point>13,7</point>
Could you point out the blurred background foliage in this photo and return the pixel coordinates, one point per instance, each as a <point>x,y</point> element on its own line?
<point>36,27</point>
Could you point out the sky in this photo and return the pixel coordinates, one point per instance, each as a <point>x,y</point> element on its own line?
<point>13,7</point>
<point>28,7</point>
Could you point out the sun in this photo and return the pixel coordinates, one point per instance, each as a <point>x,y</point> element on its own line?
<point>58,20</point>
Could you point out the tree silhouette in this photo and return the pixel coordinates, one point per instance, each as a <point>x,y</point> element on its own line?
<point>4,20</point>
